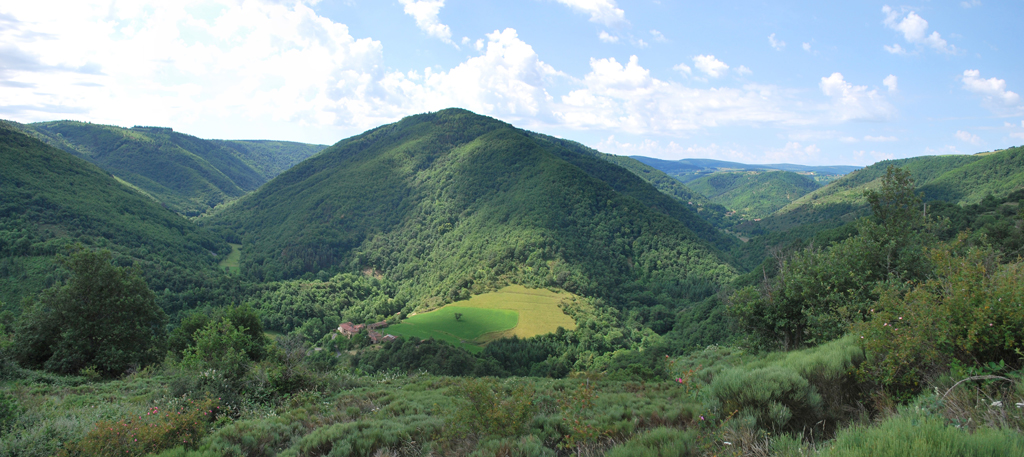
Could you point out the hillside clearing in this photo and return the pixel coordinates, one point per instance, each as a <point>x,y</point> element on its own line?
<point>511,311</point>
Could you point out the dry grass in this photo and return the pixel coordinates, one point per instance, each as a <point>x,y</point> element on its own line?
<point>538,310</point>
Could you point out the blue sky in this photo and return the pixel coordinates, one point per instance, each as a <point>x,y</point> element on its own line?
<point>798,82</point>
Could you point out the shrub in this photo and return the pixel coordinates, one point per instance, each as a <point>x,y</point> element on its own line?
<point>492,408</point>
<point>184,425</point>
<point>914,434</point>
<point>660,442</point>
<point>774,395</point>
<point>970,312</point>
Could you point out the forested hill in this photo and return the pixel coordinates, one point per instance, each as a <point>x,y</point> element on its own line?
<point>451,203</point>
<point>49,199</point>
<point>753,194</point>
<point>188,174</point>
<point>958,179</point>
<point>713,213</point>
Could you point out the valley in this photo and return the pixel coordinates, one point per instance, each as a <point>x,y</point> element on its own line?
<point>547,298</point>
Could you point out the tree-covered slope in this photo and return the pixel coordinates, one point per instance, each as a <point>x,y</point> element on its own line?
<point>49,198</point>
<point>451,203</point>
<point>753,194</point>
<point>712,213</point>
<point>188,174</point>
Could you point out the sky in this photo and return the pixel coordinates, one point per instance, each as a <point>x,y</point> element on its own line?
<point>816,83</point>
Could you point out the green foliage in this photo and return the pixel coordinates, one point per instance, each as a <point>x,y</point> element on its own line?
<point>221,347</point>
<point>970,312</point>
<point>103,317</point>
<point>753,194</point>
<point>188,174</point>
<point>916,434</point>
<point>816,294</point>
<point>184,425</point>
<point>774,395</point>
<point>449,204</point>
<point>493,408</point>
<point>49,199</point>
<point>244,318</point>
<point>660,442</point>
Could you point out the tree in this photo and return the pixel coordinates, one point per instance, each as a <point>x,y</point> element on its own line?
<point>818,293</point>
<point>458,316</point>
<point>102,316</point>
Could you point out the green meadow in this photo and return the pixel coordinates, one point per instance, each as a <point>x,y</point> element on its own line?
<point>230,263</point>
<point>514,310</point>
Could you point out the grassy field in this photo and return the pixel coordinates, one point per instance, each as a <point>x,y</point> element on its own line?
<point>514,310</point>
<point>230,263</point>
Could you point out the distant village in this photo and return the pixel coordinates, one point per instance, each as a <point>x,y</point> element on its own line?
<point>347,330</point>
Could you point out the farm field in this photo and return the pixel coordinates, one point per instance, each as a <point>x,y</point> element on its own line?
<point>230,263</point>
<point>513,310</point>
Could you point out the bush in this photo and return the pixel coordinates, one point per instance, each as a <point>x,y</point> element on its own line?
<point>184,425</point>
<point>660,442</point>
<point>914,434</point>
<point>970,313</point>
<point>774,395</point>
<point>489,408</point>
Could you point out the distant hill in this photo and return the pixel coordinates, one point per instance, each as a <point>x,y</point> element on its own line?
<point>713,213</point>
<point>452,203</point>
<point>687,170</point>
<point>187,174</point>
<point>958,179</point>
<point>49,199</point>
<point>753,194</point>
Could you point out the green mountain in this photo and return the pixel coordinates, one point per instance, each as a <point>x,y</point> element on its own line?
<point>713,213</point>
<point>753,194</point>
<point>821,214</point>
<point>49,198</point>
<point>687,170</point>
<point>188,174</point>
<point>452,203</point>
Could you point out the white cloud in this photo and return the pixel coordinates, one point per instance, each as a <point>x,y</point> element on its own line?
<point>628,99</point>
<point>658,36</point>
<point>710,65</point>
<point>848,139</point>
<point>992,88</point>
<point>807,46</point>
<point>641,43</point>
<point>1013,130</point>
<point>914,29</point>
<point>743,70</point>
<point>895,49</point>
<point>777,44</point>
<point>465,40</point>
<point>890,82</point>
<point>970,4</point>
<point>607,38</point>
<point>794,152</point>
<point>854,102</point>
<point>869,157</point>
<point>294,74</point>
<point>967,137</point>
<point>601,11</point>
<point>425,12</point>
<point>880,139</point>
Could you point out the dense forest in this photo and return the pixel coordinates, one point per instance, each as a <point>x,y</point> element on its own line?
<point>880,314</point>
<point>186,174</point>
